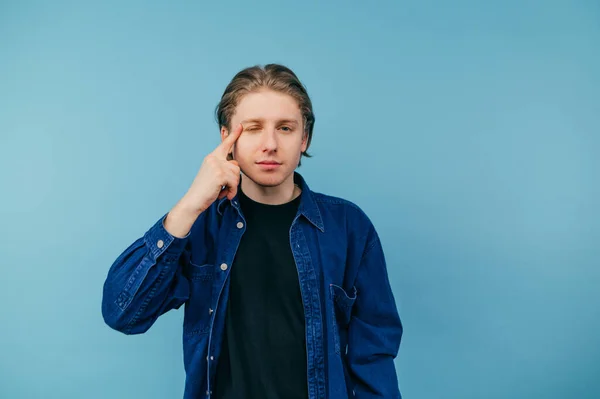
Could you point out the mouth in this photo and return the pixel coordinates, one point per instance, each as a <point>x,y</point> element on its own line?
<point>268,165</point>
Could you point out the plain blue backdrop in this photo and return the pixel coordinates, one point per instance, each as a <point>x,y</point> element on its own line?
<point>467,130</point>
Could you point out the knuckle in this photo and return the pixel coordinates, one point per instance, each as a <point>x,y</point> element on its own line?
<point>210,159</point>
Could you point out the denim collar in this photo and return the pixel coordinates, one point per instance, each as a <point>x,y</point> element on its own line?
<point>308,206</point>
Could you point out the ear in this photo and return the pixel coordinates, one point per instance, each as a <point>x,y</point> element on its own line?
<point>304,142</point>
<point>224,133</point>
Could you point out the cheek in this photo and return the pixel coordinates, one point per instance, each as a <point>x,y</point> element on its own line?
<point>242,147</point>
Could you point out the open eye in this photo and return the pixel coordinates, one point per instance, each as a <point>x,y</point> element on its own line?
<point>286,128</point>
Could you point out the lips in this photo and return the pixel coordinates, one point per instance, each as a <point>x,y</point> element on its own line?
<point>268,166</point>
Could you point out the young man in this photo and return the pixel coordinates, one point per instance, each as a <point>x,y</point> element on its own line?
<point>286,290</point>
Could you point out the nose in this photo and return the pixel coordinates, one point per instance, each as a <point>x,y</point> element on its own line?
<point>270,140</point>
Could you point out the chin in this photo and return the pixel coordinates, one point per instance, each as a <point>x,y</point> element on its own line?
<point>267,179</point>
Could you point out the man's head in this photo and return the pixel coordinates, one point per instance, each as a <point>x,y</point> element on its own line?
<point>276,112</point>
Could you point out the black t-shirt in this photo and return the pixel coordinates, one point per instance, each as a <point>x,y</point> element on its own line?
<point>264,348</point>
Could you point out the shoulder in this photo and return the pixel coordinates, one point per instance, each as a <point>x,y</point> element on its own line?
<point>336,202</point>
<point>341,211</point>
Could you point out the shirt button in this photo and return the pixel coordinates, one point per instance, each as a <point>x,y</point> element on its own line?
<point>160,243</point>
<point>224,266</point>
<point>210,311</point>
<point>212,358</point>
<point>240,225</point>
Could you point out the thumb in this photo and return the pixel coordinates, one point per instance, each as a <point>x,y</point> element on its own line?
<point>231,193</point>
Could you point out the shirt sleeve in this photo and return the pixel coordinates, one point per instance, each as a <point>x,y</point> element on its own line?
<point>145,281</point>
<point>375,329</point>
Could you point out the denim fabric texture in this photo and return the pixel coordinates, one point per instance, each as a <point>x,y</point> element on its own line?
<point>353,328</point>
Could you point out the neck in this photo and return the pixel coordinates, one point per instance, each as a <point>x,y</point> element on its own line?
<point>271,195</point>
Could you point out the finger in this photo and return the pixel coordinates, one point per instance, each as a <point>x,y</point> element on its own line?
<point>233,167</point>
<point>227,145</point>
<point>231,193</point>
<point>230,185</point>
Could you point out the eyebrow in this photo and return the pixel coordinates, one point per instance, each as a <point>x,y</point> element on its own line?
<point>259,120</point>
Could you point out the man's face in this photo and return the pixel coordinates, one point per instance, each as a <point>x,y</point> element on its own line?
<point>273,139</point>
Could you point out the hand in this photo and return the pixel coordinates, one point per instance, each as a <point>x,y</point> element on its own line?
<point>216,178</point>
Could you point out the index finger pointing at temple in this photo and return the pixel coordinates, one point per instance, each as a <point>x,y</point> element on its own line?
<point>226,146</point>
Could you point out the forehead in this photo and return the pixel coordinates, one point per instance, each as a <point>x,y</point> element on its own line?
<point>268,105</point>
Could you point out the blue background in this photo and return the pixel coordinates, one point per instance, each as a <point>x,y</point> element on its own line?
<point>467,130</point>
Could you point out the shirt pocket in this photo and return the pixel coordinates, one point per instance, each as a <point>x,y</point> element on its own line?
<point>197,311</point>
<point>341,314</point>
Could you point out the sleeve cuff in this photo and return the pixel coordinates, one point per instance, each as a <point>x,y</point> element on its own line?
<point>159,240</point>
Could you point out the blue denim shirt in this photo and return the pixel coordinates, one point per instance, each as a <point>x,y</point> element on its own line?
<point>353,329</point>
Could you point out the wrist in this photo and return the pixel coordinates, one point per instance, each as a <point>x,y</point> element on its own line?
<point>188,208</point>
<point>180,220</point>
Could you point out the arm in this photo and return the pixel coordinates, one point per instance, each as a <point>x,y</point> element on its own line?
<point>148,278</point>
<point>375,329</point>
<point>145,281</point>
